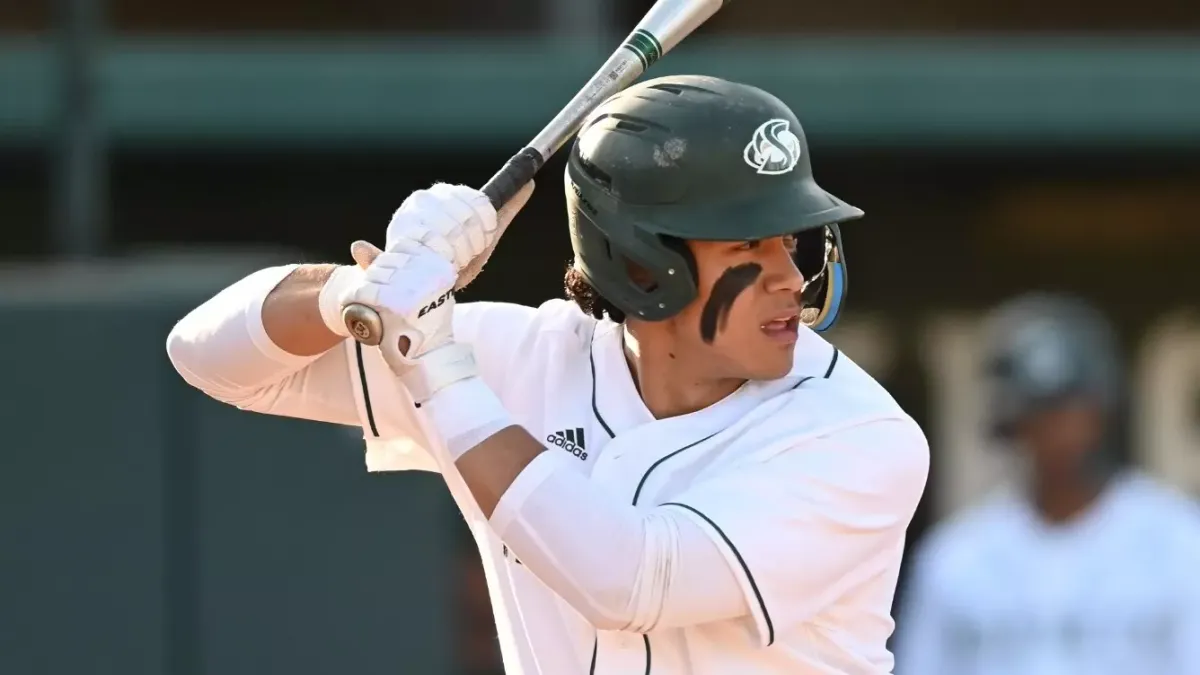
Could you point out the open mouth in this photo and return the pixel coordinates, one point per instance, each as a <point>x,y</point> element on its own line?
<point>783,328</point>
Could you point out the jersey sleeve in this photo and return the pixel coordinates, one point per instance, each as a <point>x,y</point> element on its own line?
<point>222,349</point>
<point>808,525</point>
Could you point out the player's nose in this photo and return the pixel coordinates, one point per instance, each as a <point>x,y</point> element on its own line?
<point>780,271</point>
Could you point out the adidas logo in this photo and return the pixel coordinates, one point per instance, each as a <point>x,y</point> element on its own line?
<point>570,440</point>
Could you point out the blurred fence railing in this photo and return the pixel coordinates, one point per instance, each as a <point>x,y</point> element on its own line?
<point>1087,92</point>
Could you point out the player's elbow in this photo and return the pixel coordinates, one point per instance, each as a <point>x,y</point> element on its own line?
<point>599,584</point>
<point>185,354</point>
<point>188,352</point>
<point>607,605</point>
<point>628,594</point>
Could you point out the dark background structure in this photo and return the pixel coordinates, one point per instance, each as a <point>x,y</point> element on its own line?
<point>151,153</point>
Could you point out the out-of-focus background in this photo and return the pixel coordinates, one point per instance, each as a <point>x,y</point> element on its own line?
<point>153,152</point>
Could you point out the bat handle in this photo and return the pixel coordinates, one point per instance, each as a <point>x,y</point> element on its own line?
<point>365,324</point>
<point>513,176</point>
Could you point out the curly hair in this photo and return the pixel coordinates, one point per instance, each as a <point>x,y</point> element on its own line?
<point>588,298</point>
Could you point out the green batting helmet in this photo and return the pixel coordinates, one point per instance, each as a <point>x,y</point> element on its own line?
<point>696,158</point>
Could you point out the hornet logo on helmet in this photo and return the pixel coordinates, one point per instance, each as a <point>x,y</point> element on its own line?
<point>774,148</point>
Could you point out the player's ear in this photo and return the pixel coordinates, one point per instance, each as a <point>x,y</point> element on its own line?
<point>364,253</point>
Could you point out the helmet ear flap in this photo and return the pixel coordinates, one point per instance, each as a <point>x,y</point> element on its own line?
<point>644,275</point>
<point>680,247</point>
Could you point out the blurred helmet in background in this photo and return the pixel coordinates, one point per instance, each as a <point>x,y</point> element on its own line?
<point>1048,352</point>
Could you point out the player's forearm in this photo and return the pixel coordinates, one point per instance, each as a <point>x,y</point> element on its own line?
<point>487,447</point>
<point>291,314</point>
<point>491,467</point>
<point>224,347</point>
<point>621,568</point>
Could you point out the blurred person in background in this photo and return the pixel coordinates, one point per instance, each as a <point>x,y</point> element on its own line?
<point>1087,566</point>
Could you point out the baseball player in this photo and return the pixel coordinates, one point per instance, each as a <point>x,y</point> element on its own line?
<point>671,471</point>
<point>1086,567</point>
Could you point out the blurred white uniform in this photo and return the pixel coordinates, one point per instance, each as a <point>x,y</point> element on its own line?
<point>997,591</point>
<point>802,488</point>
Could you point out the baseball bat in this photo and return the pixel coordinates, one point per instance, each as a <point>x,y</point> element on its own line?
<point>662,28</point>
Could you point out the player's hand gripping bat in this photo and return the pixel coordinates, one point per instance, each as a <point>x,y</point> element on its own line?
<point>663,27</point>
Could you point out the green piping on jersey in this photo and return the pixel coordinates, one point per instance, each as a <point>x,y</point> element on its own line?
<point>366,392</point>
<point>638,492</point>
<point>741,561</point>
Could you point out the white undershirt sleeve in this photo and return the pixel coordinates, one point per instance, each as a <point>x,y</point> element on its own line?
<point>622,568</point>
<point>777,540</point>
<point>222,348</point>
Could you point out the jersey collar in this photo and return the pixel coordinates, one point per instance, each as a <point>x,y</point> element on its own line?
<point>619,405</point>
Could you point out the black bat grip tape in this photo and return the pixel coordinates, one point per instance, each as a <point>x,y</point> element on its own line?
<point>513,176</point>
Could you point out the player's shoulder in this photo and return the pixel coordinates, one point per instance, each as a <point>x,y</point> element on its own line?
<point>834,398</point>
<point>831,380</point>
<point>510,322</point>
<point>841,423</point>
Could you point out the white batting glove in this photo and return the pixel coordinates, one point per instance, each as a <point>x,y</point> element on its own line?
<point>457,222</point>
<point>411,289</point>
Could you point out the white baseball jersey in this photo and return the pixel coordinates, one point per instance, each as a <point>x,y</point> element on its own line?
<point>806,484</point>
<point>997,591</point>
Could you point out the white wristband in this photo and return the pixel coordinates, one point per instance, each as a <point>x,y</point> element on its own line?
<point>330,299</point>
<point>466,413</point>
<point>437,370</point>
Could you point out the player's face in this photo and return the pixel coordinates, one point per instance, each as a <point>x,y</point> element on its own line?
<point>746,316</point>
<point>1060,439</point>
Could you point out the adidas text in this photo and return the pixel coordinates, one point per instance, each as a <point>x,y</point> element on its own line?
<point>570,440</point>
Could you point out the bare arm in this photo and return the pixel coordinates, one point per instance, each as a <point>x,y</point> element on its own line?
<point>260,345</point>
<point>291,315</point>
<point>491,467</point>
<point>620,567</point>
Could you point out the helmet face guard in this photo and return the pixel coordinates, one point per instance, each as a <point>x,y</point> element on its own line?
<point>821,259</point>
